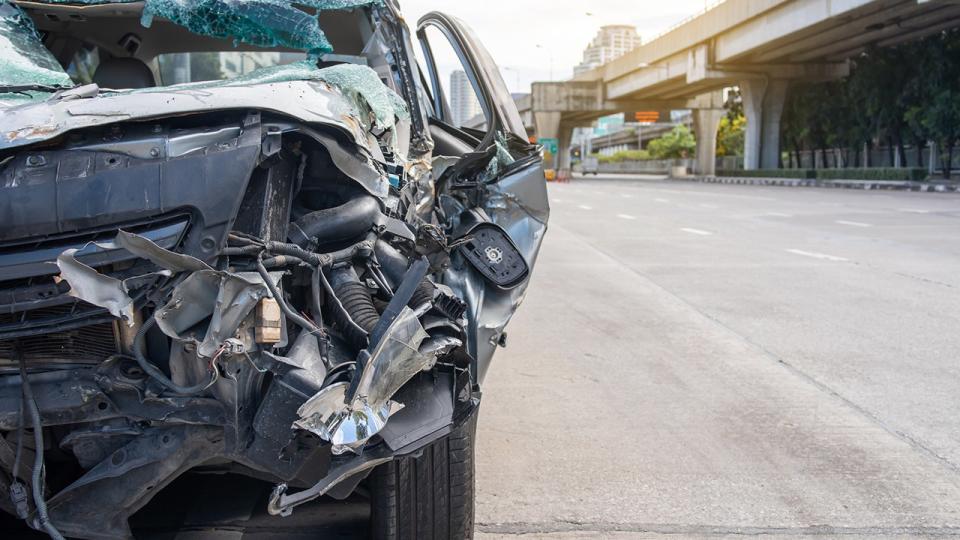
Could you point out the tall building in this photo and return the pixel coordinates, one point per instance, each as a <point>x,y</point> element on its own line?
<point>463,100</point>
<point>610,42</point>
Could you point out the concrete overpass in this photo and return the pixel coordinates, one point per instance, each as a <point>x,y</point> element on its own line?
<point>759,45</point>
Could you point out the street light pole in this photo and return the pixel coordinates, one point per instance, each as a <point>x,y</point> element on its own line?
<point>550,54</point>
<point>516,73</point>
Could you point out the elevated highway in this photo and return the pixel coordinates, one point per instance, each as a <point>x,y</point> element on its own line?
<point>762,46</point>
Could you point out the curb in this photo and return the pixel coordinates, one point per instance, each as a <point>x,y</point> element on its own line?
<point>933,187</point>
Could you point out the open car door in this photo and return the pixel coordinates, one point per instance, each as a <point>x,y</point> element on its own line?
<point>492,187</point>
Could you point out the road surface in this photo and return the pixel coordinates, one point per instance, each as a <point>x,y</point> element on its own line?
<point>713,361</point>
<point>702,361</point>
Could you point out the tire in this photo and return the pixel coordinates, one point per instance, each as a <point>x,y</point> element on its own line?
<point>430,497</point>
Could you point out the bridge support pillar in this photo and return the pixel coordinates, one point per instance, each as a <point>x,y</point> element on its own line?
<point>706,122</point>
<point>763,101</point>
<point>548,127</point>
<point>773,104</point>
<point>565,141</point>
<point>752,92</point>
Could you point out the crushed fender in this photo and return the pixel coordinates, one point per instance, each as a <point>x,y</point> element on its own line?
<point>404,351</point>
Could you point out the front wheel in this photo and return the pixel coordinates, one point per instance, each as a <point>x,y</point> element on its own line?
<point>430,497</point>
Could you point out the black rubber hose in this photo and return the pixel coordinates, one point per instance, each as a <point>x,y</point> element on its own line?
<point>338,224</point>
<point>393,263</point>
<point>139,344</point>
<point>423,294</point>
<point>358,304</point>
<point>342,317</point>
<point>37,477</point>
<point>395,266</point>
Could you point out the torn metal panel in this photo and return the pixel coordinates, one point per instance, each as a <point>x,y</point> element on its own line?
<point>280,89</point>
<point>223,298</point>
<point>399,356</point>
<point>305,356</point>
<point>281,504</point>
<point>312,102</point>
<point>394,361</point>
<point>146,249</point>
<point>347,427</point>
<point>100,290</point>
<point>517,202</point>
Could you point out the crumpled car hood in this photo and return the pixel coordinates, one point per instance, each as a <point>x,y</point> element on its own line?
<point>310,101</point>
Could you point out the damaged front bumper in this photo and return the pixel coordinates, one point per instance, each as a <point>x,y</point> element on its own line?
<point>210,320</point>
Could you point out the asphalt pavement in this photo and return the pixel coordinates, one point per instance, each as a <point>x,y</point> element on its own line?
<point>700,361</point>
<point>719,361</point>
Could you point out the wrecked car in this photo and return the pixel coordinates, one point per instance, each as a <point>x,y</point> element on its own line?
<point>248,237</point>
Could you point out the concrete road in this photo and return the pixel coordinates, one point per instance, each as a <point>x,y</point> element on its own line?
<point>714,361</point>
<point>701,361</point>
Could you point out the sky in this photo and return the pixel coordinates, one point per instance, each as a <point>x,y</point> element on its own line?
<point>526,36</point>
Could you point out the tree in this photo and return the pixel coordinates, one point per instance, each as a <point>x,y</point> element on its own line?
<point>937,108</point>
<point>679,143</point>
<point>730,136</point>
<point>794,129</point>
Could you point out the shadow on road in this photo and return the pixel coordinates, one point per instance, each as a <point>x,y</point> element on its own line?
<point>224,507</point>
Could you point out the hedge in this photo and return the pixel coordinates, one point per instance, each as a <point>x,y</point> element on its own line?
<point>770,173</point>
<point>878,173</point>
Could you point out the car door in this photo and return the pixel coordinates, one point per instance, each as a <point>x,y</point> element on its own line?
<point>514,198</point>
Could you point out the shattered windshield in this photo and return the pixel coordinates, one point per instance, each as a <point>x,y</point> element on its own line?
<point>24,61</point>
<point>263,23</point>
<point>28,69</point>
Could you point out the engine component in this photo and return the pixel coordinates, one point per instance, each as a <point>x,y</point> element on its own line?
<point>269,327</point>
<point>338,224</point>
<point>357,303</point>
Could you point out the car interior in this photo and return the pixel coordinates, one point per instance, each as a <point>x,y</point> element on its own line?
<point>107,45</point>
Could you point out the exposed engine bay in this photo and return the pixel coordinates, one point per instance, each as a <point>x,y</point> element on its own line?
<point>297,293</point>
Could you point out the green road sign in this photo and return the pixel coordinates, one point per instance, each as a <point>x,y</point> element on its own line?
<point>549,144</point>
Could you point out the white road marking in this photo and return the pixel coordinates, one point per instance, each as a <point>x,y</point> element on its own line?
<point>662,200</point>
<point>778,214</point>
<point>914,211</point>
<point>697,231</point>
<point>626,196</point>
<point>556,200</point>
<point>585,207</point>
<point>625,216</point>
<point>813,255</point>
<point>714,195</point>
<point>853,223</point>
<point>711,206</point>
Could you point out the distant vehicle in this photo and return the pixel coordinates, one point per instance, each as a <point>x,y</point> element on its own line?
<point>298,273</point>
<point>590,165</point>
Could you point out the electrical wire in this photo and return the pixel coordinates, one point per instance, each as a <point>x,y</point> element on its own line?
<point>336,301</point>
<point>296,317</point>
<point>16,460</point>
<point>139,344</point>
<point>37,477</point>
